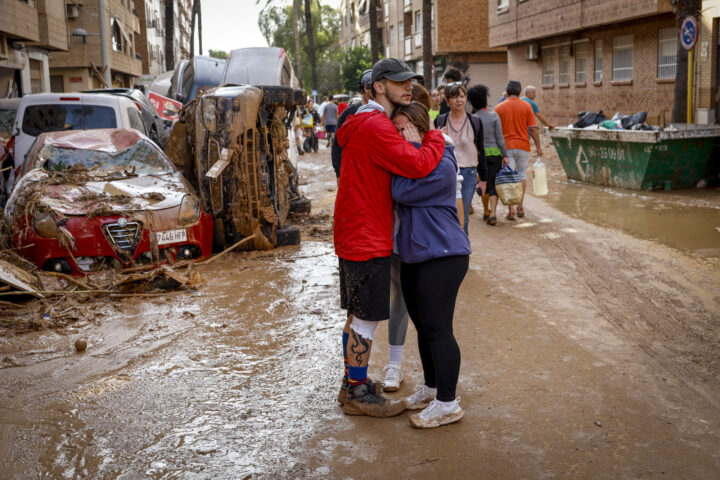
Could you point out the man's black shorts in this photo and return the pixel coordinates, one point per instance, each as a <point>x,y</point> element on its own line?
<point>365,288</point>
<point>330,128</point>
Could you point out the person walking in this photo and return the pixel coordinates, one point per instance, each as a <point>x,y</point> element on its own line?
<point>466,132</point>
<point>516,117</point>
<point>373,150</point>
<point>309,119</point>
<point>529,97</point>
<point>330,119</point>
<point>495,151</point>
<point>435,256</point>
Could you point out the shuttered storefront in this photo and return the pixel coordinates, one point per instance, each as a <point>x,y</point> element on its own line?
<point>492,75</point>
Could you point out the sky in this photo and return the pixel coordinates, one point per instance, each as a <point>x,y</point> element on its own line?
<point>231,24</point>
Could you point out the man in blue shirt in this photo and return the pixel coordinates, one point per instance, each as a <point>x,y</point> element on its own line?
<point>530,98</point>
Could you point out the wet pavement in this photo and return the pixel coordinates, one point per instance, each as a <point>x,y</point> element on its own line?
<point>588,352</point>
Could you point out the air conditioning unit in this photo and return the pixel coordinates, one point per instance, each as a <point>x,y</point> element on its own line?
<point>531,52</point>
<point>72,11</point>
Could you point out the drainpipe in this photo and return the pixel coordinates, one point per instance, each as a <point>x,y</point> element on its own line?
<point>104,44</point>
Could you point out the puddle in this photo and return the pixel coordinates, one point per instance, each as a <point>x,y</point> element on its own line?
<point>688,219</point>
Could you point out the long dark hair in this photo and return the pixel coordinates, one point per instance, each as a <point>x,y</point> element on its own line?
<point>417,113</point>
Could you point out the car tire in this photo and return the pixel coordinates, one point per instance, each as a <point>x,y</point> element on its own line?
<point>300,205</point>
<point>282,96</point>
<point>290,235</point>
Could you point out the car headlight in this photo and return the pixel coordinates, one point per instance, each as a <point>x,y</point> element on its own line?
<point>45,226</point>
<point>210,114</point>
<point>189,211</point>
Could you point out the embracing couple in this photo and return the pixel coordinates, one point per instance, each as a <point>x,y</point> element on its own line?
<point>390,154</point>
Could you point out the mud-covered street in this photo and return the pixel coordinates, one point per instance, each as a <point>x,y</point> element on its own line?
<point>589,333</point>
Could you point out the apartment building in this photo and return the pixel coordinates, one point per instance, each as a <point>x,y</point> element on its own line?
<point>615,55</point>
<point>707,64</point>
<point>151,39</point>
<point>30,30</point>
<point>459,36</point>
<point>80,67</point>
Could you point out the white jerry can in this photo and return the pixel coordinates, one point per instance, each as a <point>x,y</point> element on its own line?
<point>540,186</point>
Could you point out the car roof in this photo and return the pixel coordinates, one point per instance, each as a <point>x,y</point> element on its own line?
<point>71,97</point>
<point>110,140</point>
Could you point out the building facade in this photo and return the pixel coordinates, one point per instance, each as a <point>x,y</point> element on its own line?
<point>80,68</point>
<point>459,36</point>
<point>707,64</point>
<point>151,40</point>
<point>30,31</point>
<point>614,56</point>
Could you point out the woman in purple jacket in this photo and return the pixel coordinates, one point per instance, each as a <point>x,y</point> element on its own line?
<point>435,254</point>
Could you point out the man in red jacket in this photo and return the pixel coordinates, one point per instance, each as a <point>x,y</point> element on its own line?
<point>372,151</point>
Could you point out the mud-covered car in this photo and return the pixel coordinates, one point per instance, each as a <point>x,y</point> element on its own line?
<point>108,198</point>
<point>232,144</point>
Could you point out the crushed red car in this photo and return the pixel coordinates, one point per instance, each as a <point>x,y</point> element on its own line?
<point>97,199</point>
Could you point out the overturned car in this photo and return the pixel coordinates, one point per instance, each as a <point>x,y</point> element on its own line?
<point>232,143</point>
<point>109,198</point>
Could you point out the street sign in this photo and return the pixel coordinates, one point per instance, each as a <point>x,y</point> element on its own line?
<point>314,93</point>
<point>688,33</point>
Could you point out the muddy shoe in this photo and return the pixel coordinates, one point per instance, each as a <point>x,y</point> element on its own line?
<point>437,414</point>
<point>343,391</point>
<point>362,400</point>
<point>393,377</point>
<point>421,398</point>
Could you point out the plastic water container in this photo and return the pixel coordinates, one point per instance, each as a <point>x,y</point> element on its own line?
<point>539,175</point>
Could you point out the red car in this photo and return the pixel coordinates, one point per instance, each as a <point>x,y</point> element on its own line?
<point>89,200</point>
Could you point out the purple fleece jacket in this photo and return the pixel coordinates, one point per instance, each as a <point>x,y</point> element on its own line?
<point>429,225</point>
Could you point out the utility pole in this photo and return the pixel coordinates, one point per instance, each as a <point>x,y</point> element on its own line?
<point>104,44</point>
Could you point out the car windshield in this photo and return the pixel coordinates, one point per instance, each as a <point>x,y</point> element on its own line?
<point>57,117</point>
<point>140,159</point>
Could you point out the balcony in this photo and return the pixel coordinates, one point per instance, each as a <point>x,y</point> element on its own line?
<point>407,5</point>
<point>408,47</point>
<point>418,39</point>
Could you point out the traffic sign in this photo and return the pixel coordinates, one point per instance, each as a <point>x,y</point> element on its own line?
<point>689,33</point>
<point>314,93</point>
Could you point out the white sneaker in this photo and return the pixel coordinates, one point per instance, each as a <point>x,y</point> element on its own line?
<point>437,414</point>
<point>393,377</point>
<point>421,398</point>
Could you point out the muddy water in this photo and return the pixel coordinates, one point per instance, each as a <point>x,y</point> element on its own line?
<point>688,220</point>
<point>204,385</point>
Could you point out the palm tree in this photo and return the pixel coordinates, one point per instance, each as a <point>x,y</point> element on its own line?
<point>311,45</point>
<point>683,9</point>
<point>374,34</point>
<point>296,8</point>
<point>427,43</point>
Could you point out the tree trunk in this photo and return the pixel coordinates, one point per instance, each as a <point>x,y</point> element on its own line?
<point>311,45</point>
<point>169,36</point>
<point>374,34</point>
<point>428,65</point>
<point>195,15</point>
<point>684,8</point>
<point>296,28</point>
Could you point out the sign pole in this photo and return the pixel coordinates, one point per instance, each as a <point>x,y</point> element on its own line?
<point>690,86</point>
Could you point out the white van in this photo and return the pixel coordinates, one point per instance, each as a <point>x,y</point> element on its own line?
<point>52,112</point>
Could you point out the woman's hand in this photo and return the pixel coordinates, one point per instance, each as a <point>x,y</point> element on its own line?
<point>505,162</point>
<point>411,133</point>
<point>481,187</point>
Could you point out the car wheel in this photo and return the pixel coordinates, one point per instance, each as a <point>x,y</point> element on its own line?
<point>282,96</point>
<point>289,235</point>
<point>300,205</point>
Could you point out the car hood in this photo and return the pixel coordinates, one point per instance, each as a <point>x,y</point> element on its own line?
<point>140,193</point>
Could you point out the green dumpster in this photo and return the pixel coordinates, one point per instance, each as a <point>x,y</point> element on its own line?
<point>636,159</point>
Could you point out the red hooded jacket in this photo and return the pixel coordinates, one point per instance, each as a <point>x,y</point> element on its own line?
<point>372,151</point>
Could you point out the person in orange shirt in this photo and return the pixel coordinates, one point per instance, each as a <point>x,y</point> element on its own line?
<point>517,119</point>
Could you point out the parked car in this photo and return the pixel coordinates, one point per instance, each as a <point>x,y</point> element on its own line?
<point>106,198</point>
<point>161,84</point>
<point>158,129</point>
<point>190,75</point>
<point>259,66</point>
<point>52,112</point>
<point>232,144</point>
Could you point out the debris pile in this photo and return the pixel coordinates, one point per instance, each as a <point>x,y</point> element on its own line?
<point>597,120</point>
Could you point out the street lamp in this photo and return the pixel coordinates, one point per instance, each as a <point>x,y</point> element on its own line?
<point>104,46</point>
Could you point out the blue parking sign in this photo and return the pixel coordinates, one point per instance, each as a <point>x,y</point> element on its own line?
<point>688,33</point>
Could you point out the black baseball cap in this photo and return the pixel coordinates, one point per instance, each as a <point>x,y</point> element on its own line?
<point>365,79</point>
<point>393,69</point>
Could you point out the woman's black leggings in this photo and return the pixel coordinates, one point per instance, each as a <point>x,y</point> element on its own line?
<point>430,289</point>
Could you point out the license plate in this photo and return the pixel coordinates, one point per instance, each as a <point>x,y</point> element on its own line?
<point>171,236</point>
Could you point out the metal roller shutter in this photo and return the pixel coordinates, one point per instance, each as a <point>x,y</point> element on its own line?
<point>492,75</point>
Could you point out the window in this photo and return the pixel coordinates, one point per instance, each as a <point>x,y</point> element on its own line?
<point>391,34</point>
<point>597,78</point>
<point>386,9</point>
<point>503,5</point>
<point>548,66</point>
<point>58,117</point>
<point>564,64</point>
<point>581,62</point>
<point>418,29</point>
<point>400,32</point>
<point>623,58</point>
<point>667,52</point>
<point>117,41</point>
<point>136,120</point>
